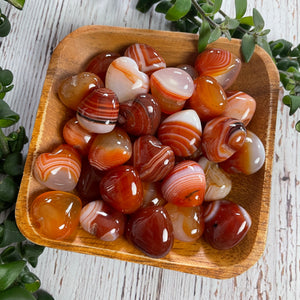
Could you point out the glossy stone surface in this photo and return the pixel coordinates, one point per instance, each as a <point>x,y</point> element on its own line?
<point>88,183</point>
<point>125,79</point>
<point>221,64</point>
<point>150,230</point>
<point>226,224</point>
<point>152,195</point>
<point>209,99</point>
<point>78,137</point>
<point>182,132</point>
<point>74,88</point>
<point>146,57</point>
<point>122,188</point>
<point>55,214</point>
<point>102,221</point>
<point>171,87</point>
<point>249,159</point>
<point>58,170</point>
<point>185,184</point>
<point>240,106</point>
<point>152,160</point>
<point>222,137</point>
<point>188,222</point>
<point>189,69</point>
<point>218,183</point>
<point>140,116</point>
<point>100,63</point>
<point>110,149</point>
<point>99,111</point>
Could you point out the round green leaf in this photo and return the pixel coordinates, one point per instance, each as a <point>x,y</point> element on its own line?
<point>178,10</point>
<point>4,26</point>
<point>6,77</point>
<point>16,293</point>
<point>9,272</point>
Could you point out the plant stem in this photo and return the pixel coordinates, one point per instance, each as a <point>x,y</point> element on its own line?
<point>203,14</point>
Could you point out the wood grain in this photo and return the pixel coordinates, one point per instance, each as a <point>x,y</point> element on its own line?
<point>36,31</point>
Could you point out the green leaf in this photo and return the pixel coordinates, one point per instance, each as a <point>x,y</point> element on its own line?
<point>204,35</point>
<point>215,34</point>
<point>8,189</point>
<point>16,293</point>
<point>247,21</point>
<point>9,233</point>
<point>9,272</point>
<point>217,6</point>
<point>10,254</point>
<point>7,116</point>
<point>258,20</point>
<point>31,252</point>
<point>30,281</point>
<point>240,8</point>
<point>43,295</point>
<point>248,46</point>
<point>145,5</point>
<point>13,164</point>
<point>281,47</point>
<point>293,102</point>
<point>16,3</point>
<point>6,77</point>
<point>4,25</point>
<point>265,45</point>
<point>163,7</point>
<point>233,24</point>
<point>17,139</point>
<point>178,10</point>
<point>297,126</point>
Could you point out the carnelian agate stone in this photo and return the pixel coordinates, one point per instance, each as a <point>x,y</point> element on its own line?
<point>249,159</point>
<point>140,116</point>
<point>55,214</point>
<point>209,99</point>
<point>152,159</point>
<point>188,222</point>
<point>182,132</point>
<point>125,79</point>
<point>146,57</point>
<point>152,195</point>
<point>150,230</point>
<point>74,88</point>
<point>78,137</point>
<point>226,224</point>
<point>240,106</point>
<point>88,183</point>
<point>59,170</point>
<point>111,149</point>
<point>100,63</point>
<point>185,184</point>
<point>122,188</point>
<point>221,64</point>
<point>98,112</point>
<point>222,137</point>
<point>103,221</point>
<point>171,87</point>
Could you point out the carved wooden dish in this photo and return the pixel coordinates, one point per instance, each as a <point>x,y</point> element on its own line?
<point>259,78</point>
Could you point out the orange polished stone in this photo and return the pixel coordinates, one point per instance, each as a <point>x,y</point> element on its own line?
<point>55,214</point>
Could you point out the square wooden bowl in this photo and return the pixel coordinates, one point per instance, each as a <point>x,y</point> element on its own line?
<point>259,78</point>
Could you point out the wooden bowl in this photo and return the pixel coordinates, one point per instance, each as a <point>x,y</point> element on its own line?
<point>259,78</point>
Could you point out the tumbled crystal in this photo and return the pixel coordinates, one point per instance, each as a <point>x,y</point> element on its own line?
<point>221,64</point>
<point>55,214</point>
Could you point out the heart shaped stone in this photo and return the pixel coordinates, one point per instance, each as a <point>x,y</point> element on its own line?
<point>152,159</point>
<point>59,170</point>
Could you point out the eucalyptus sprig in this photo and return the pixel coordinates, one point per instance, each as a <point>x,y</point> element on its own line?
<point>206,18</point>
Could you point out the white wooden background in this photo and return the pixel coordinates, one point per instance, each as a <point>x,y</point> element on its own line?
<point>26,51</point>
